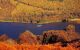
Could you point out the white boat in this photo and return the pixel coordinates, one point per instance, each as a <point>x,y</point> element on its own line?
<point>39,25</point>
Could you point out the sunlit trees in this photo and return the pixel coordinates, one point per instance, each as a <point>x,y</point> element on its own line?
<point>4,46</point>
<point>3,37</point>
<point>28,37</point>
<point>50,40</point>
<point>63,36</point>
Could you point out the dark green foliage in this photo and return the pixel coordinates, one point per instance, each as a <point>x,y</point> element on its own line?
<point>64,20</point>
<point>53,39</point>
<point>49,39</point>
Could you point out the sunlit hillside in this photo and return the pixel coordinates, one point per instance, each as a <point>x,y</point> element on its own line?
<point>38,11</point>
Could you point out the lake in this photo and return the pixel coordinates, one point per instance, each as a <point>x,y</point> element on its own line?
<point>13,30</point>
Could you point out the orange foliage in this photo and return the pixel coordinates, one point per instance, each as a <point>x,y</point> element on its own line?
<point>3,37</point>
<point>5,46</point>
<point>28,37</point>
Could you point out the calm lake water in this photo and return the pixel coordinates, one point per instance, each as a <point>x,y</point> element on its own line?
<point>13,30</point>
